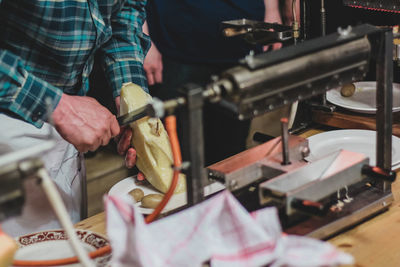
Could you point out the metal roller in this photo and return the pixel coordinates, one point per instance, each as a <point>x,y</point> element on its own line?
<point>259,88</point>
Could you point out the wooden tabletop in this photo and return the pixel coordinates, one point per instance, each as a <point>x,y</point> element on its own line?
<point>375,242</point>
<point>348,120</point>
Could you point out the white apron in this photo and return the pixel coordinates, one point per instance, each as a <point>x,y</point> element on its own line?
<point>65,166</point>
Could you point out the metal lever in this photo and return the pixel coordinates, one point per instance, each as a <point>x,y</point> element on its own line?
<point>261,137</point>
<point>378,173</point>
<point>310,207</point>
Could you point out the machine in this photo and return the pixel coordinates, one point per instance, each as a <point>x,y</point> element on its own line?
<point>324,197</point>
<point>316,199</point>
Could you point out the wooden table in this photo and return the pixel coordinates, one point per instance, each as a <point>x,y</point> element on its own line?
<point>375,242</point>
<point>349,120</point>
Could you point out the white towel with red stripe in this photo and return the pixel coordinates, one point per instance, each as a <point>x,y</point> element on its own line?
<point>219,231</point>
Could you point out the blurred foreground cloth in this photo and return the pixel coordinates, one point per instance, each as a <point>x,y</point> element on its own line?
<point>218,230</point>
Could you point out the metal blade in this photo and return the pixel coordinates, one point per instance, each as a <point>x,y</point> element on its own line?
<point>132,116</point>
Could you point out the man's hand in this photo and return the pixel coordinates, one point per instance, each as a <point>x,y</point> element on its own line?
<point>83,122</point>
<point>124,142</point>
<point>153,66</point>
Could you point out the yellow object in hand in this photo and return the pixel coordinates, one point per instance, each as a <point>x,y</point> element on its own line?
<point>150,139</point>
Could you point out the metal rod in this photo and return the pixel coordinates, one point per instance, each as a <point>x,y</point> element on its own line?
<point>193,143</point>
<point>323,33</point>
<point>323,18</point>
<point>296,33</point>
<point>303,19</point>
<point>59,208</point>
<point>384,98</point>
<point>285,141</point>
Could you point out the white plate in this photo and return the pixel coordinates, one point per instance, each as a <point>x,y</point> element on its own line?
<point>364,98</point>
<point>177,200</point>
<point>361,141</point>
<point>53,244</point>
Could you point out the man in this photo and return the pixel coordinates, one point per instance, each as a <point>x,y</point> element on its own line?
<point>46,55</point>
<point>188,47</point>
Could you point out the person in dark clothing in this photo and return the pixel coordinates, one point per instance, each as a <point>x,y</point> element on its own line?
<point>187,46</point>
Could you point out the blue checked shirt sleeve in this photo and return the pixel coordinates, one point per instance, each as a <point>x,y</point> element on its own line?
<point>124,52</point>
<point>23,94</point>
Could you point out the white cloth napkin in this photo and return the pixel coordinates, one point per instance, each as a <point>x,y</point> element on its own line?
<point>219,229</point>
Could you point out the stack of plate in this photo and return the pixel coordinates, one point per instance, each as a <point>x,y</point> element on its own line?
<point>361,141</point>
<point>54,245</point>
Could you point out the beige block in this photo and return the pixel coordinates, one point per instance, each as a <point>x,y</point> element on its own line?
<point>100,186</point>
<point>104,170</point>
<point>268,123</point>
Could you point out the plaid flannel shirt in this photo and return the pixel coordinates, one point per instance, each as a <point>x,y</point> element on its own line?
<point>47,48</point>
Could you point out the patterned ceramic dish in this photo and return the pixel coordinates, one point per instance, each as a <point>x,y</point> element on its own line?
<point>53,244</point>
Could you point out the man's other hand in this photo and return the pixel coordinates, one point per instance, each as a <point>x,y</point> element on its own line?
<point>83,122</point>
<point>124,141</point>
<point>153,66</point>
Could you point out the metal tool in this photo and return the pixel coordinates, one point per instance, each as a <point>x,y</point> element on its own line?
<point>133,116</point>
<point>257,32</point>
<point>155,109</point>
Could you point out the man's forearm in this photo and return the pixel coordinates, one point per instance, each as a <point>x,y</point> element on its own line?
<point>272,13</point>
<point>24,94</point>
<point>125,51</point>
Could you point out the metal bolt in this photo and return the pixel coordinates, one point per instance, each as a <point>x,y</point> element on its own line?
<point>305,151</point>
<point>250,57</point>
<point>214,78</point>
<point>233,184</point>
<point>344,32</point>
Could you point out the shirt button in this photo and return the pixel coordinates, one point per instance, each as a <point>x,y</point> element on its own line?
<point>35,117</point>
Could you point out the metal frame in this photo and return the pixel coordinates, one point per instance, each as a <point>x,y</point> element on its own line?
<point>193,143</point>
<point>244,87</point>
<point>384,97</point>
